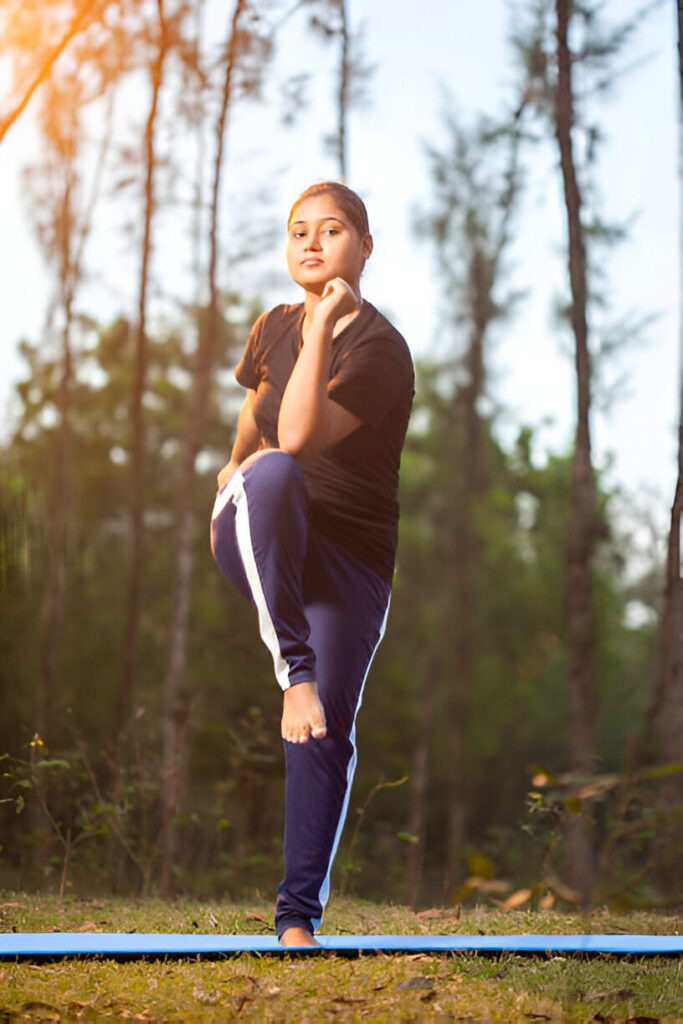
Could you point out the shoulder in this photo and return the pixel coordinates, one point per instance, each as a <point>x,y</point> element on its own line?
<point>285,312</point>
<point>379,326</point>
<point>377,334</point>
<point>272,323</point>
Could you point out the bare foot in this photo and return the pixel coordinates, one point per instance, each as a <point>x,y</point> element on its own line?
<point>297,937</point>
<point>302,714</point>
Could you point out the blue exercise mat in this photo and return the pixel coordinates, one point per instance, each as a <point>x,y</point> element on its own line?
<point>39,944</point>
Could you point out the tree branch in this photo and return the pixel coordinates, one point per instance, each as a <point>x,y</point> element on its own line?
<point>88,8</point>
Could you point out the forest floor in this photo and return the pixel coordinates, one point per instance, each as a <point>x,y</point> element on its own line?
<point>378,987</point>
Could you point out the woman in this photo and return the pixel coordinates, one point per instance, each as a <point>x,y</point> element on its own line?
<point>305,521</point>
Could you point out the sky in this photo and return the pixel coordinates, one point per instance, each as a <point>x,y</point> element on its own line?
<point>462,48</point>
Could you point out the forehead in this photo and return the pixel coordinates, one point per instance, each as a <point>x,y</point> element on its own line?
<point>318,208</point>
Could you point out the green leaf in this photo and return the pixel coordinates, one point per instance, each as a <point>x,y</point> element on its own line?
<point>408,837</point>
<point>663,770</point>
<point>20,804</point>
<point>481,866</point>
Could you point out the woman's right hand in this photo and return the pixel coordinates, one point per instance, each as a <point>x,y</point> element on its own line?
<point>226,473</point>
<point>231,468</point>
<point>337,300</point>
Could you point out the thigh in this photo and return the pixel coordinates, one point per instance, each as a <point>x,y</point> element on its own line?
<point>347,606</point>
<point>276,498</point>
<point>224,546</point>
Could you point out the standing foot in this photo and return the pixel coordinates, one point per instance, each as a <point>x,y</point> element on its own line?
<point>303,714</point>
<point>297,937</point>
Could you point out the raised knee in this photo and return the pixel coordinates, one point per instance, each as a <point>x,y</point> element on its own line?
<point>278,468</point>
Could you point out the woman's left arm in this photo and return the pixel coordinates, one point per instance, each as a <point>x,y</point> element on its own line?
<point>309,420</point>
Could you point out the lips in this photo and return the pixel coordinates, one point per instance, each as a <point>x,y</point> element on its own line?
<point>312,261</point>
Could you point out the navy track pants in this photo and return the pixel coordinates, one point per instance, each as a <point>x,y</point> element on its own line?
<point>322,615</point>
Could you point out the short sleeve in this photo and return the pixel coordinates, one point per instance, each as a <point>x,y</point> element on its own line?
<point>248,370</point>
<point>372,378</point>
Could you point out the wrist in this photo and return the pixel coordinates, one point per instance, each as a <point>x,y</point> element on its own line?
<point>322,321</point>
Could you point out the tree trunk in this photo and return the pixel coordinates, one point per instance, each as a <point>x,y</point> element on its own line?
<point>582,528</point>
<point>420,781</point>
<point>483,263</point>
<point>59,480</point>
<point>136,508</point>
<point>58,510</point>
<point>667,711</point>
<point>51,606</point>
<point>464,596</point>
<point>343,91</point>
<point>176,695</point>
<point>668,706</point>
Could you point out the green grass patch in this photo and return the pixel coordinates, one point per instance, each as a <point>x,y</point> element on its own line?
<point>399,987</point>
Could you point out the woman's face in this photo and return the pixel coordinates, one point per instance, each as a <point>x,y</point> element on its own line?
<point>322,243</point>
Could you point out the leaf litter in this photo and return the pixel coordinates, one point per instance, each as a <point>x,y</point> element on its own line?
<point>470,986</point>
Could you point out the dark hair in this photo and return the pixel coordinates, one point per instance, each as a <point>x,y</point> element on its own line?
<point>348,201</point>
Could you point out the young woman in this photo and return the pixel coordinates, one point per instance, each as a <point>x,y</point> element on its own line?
<point>306,518</point>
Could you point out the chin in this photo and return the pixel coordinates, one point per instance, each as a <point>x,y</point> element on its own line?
<point>311,284</point>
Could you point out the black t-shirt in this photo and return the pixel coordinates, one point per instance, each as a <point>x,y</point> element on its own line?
<point>352,485</point>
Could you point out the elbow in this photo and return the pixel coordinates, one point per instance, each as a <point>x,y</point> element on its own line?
<point>295,446</point>
<point>302,434</point>
<point>291,441</point>
<point>291,449</point>
<point>297,443</point>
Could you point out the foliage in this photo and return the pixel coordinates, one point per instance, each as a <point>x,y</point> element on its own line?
<point>637,829</point>
<point>232,820</point>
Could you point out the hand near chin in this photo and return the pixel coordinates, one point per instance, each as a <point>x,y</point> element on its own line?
<point>338,299</point>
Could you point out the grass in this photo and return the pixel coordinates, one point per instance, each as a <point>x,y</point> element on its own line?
<point>405,987</point>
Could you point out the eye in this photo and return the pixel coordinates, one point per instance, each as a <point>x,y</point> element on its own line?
<point>300,234</point>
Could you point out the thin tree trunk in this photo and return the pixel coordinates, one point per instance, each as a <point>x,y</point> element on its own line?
<point>176,696</point>
<point>582,528</point>
<point>420,782</point>
<point>60,483</point>
<point>464,596</point>
<point>136,566</point>
<point>50,611</point>
<point>60,513</point>
<point>667,711</point>
<point>58,510</point>
<point>482,274</point>
<point>343,91</point>
<point>81,19</point>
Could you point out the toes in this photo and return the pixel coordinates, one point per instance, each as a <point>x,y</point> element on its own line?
<point>319,727</point>
<point>296,735</point>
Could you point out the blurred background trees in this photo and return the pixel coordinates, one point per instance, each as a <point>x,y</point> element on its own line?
<point>509,743</point>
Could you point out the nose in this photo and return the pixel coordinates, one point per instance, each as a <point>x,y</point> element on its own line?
<point>312,243</point>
